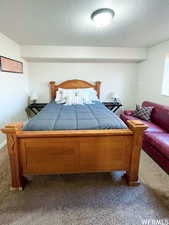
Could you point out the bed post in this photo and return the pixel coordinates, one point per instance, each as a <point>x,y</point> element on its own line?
<point>52,90</point>
<point>138,128</point>
<point>17,179</point>
<point>98,83</point>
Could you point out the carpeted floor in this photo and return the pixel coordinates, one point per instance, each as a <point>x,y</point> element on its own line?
<point>88,199</point>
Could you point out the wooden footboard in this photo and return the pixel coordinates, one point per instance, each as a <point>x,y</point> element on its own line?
<point>75,151</point>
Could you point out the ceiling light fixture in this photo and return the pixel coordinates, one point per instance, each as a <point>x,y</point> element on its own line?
<point>102,17</point>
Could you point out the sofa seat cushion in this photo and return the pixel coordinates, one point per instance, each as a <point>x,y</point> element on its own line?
<point>160,141</point>
<point>151,126</point>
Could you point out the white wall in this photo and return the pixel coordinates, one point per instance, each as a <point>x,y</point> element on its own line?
<point>115,77</point>
<point>13,87</point>
<point>133,82</point>
<point>150,75</point>
<point>81,53</point>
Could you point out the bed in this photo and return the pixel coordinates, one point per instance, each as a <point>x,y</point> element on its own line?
<point>74,117</point>
<point>77,149</point>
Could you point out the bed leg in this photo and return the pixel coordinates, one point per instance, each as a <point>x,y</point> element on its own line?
<point>130,180</point>
<point>132,174</point>
<point>17,179</point>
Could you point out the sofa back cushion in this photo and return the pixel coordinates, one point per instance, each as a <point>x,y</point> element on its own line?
<point>159,115</point>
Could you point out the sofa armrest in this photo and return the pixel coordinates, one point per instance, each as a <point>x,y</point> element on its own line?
<point>129,112</point>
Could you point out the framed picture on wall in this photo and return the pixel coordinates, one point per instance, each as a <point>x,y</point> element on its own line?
<point>10,65</point>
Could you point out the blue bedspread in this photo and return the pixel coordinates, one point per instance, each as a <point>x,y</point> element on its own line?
<point>75,117</point>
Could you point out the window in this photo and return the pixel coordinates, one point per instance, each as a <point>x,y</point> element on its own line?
<point>165,86</point>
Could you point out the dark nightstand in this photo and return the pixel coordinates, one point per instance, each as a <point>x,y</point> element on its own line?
<point>34,108</point>
<point>113,106</point>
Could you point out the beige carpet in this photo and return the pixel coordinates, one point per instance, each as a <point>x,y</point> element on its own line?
<point>88,199</point>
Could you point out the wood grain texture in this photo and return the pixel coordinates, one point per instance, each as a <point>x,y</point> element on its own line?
<point>74,155</point>
<point>74,133</point>
<point>74,151</point>
<point>73,84</point>
<point>17,179</point>
<point>138,128</point>
<point>53,152</point>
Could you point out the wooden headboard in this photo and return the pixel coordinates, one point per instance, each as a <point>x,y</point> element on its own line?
<point>73,84</point>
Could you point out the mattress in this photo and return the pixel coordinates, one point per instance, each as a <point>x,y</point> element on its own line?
<point>74,117</point>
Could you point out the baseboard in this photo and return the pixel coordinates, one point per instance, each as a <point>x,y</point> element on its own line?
<point>2,144</point>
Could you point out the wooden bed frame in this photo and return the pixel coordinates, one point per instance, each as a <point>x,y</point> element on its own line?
<point>73,151</point>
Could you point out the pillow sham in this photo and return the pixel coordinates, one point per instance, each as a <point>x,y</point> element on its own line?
<point>59,99</point>
<point>73,100</point>
<point>62,95</point>
<point>88,94</point>
<point>86,97</point>
<point>143,113</point>
<point>76,96</point>
<point>93,95</point>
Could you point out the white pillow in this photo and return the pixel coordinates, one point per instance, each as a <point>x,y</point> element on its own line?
<point>59,98</point>
<point>89,95</point>
<point>62,94</point>
<point>85,95</point>
<point>93,94</point>
<point>74,99</point>
<point>66,91</point>
<point>76,96</point>
<point>70,96</point>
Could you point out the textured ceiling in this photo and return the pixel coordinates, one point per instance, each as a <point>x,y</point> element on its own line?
<point>137,23</point>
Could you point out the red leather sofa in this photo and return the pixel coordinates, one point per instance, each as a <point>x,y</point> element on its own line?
<point>156,137</point>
